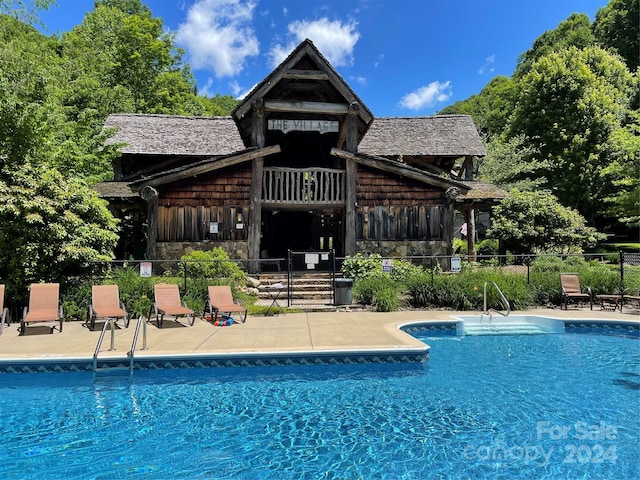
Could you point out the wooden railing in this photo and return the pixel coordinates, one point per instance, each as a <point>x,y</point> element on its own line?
<point>320,186</point>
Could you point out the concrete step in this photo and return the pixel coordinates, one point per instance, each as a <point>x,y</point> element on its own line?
<point>506,329</point>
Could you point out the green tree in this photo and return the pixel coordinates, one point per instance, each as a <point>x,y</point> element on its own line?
<point>623,172</point>
<point>617,26</point>
<point>575,31</point>
<point>24,10</point>
<point>218,105</point>
<point>510,164</point>
<point>130,59</point>
<point>51,228</point>
<point>491,108</point>
<point>535,222</point>
<point>570,102</point>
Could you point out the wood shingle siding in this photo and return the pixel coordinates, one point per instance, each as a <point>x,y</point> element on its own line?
<point>213,189</point>
<point>375,188</point>
<point>191,224</point>
<point>411,222</point>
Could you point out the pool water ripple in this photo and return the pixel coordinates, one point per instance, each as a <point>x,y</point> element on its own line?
<point>470,412</point>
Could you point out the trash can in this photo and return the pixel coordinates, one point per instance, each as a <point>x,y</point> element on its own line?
<point>343,291</point>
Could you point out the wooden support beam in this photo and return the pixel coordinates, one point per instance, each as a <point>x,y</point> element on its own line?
<point>150,195</point>
<point>470,218</point>
<point>351,143</point>
<point>203,167</point>
<point>255,193</point>
<point>296,74</point>
<point>305,107</point>
<point>400,169</point>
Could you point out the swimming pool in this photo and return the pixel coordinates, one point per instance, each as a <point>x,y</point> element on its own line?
<point>541,406</point>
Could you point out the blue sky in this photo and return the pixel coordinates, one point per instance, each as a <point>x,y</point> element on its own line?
<point>402,57</point>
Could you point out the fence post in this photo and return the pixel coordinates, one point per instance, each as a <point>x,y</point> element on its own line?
<point>289,277</point>
<point>622,272</point>
<point>185,276</point>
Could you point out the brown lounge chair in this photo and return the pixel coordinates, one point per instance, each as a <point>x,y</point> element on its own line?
<point>571,291</point>
<point>167,302</point>
<point>221,301</point>
<point>4,311</point>
<point>105,303</point>
<point>44,306</point>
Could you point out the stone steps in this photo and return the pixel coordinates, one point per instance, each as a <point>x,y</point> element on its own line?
<point>311,288</point>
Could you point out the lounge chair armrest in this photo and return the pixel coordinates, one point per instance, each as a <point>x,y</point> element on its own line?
<point>61,312</point>
<point>589,291</point>
<point>25,310</point>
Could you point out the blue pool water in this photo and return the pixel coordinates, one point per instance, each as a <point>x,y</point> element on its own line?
<point>505,407</point>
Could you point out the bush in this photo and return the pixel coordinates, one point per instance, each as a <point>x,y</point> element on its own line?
<point>359,266</point>
<point>381,291</point>
<point>212,264</point>
<point>465,290</point>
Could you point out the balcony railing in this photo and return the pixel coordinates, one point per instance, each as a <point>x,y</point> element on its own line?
<point>318,186</point>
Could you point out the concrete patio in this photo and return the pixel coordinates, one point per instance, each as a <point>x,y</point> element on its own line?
<point>312,332</point>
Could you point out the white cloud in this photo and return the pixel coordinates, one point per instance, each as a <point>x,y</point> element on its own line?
<point>487,66</point>
<point>336,40</point>
<point>218,35</point>
<point>206,90</point>
<point>360,79</point>
<point>239,93</point>
<point>427,96</point>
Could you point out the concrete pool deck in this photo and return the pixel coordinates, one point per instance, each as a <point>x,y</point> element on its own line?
<point>307,332</point>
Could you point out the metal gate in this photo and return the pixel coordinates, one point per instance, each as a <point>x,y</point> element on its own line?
<point>311,278</point>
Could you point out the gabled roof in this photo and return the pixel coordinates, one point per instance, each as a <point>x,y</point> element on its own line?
<point>439,136</point>
<point>305,76</point>
<point>174,135</point>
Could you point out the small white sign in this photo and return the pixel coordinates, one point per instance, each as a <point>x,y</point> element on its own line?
<point>387,264</point>
<point>311,258</point>
<point>146,269</point>
<point>239,226</point>
<point>213,227</point>
<point>456,265</point>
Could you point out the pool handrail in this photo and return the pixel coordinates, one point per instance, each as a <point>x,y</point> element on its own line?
<point>504,300</point>
<point>130,353</point>
<point>107,323</point>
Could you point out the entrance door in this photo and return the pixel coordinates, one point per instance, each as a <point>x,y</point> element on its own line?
<point>284,230</point>
<point>300,230</point>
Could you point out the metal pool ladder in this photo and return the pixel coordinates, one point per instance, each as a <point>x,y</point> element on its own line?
<point>503,299</point>
<point>111,322</point>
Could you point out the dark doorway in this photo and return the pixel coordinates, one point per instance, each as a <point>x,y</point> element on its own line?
<point>284,230</point>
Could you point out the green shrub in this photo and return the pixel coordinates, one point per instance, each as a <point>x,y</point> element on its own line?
<point>380,290</point>
<point>136,292</point>
<point>359,266</point>
<point>465,290</point>
<point>386,300</point>
<point>488,246</point>
<point>212,264</point>
<point>76,299</point>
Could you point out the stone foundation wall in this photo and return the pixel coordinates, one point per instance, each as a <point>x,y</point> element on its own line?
<point>407,248</point>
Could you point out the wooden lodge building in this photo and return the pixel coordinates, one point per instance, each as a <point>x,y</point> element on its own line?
<point>300,164</point>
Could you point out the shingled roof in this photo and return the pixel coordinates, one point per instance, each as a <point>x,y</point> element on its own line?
<point>439,135</point>
<point>174,135</point>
